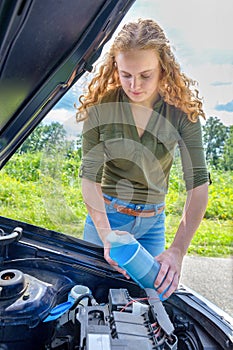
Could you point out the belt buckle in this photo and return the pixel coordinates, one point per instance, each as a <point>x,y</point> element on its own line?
<point>120,208</point>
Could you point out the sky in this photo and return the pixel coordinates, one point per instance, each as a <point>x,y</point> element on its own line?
<point>200,33</point>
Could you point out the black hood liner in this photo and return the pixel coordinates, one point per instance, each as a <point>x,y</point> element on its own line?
<point>45,46</point>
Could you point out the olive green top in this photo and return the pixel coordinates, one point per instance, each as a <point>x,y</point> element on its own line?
<point>136,169</point>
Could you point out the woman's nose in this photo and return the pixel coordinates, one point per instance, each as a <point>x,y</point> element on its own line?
<point>134,82</point>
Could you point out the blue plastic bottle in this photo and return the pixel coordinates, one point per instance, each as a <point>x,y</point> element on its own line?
<point>134,259</point>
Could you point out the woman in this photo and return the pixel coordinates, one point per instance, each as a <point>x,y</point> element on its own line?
<point>138,107</point>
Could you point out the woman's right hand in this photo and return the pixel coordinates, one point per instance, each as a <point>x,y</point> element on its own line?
<point>107,257</point>
<point>93,198</point>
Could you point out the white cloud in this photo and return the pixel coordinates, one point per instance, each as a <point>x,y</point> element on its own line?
<point>208,74</point>
<point>202,23</point>
<point>225,117</point>
<point>67,119</point>
<point>58,115</point>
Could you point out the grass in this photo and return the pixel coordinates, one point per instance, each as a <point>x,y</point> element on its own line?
<point>213,238</point>
<point>56,203</point>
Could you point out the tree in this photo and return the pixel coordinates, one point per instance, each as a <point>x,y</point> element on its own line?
<point>44,136</point>
<point>215,134</point>
<point>227,160</point>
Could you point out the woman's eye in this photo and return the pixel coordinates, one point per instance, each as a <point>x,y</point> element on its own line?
<point>145,76</point>
<point>128,76</point>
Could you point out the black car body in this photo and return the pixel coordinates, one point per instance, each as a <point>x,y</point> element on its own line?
<point>45,47</point>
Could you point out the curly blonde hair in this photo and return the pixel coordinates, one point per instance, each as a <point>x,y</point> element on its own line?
<point>174,86</point>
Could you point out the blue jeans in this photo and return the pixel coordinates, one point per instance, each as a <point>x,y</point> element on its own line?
<point>149,231</point>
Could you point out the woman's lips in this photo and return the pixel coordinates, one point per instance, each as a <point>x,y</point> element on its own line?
<point>136,93</point>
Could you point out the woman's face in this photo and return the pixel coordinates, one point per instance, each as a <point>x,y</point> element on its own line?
<point>139,73</point>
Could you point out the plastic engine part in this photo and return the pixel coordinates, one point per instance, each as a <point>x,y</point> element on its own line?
<point>117,327</point>
<point>24,302</point>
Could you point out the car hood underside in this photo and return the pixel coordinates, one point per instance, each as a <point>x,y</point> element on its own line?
<point>45,47</point>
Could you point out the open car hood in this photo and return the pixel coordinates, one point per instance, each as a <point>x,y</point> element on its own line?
<point>45,47</point>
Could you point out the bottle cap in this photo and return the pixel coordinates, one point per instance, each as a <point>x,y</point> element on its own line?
<point>120,239</point>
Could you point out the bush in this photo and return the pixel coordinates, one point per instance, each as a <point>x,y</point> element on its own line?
<point>24,167</point>
<point>29,193</point>
<point>64,169</point>
<point>220,196</point>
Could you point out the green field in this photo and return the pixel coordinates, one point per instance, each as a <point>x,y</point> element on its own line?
<point>29,193</point>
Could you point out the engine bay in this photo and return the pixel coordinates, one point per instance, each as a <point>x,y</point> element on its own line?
<point>81,322</point>
<point>123,322</point>
<point>66,298</point>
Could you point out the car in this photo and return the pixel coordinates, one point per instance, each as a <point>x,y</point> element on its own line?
<point>57,292</point>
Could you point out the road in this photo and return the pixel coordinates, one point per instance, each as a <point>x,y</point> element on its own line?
<point>212,278</point>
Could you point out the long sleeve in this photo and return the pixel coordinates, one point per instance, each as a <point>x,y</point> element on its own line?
<point>192,154</point>
<point>92,149</point>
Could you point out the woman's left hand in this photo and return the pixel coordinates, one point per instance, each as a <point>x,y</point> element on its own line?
<point>172,258</point>
<point>169,273</point>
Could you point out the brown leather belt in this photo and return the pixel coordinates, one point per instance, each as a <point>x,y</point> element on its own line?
<point>143,213</point>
